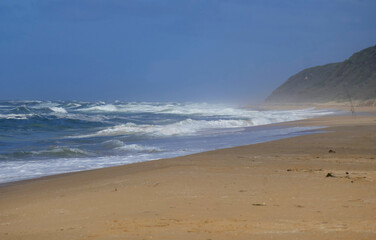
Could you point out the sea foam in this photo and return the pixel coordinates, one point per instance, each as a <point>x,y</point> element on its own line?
<point>181,128</point>
<point>58,109</point>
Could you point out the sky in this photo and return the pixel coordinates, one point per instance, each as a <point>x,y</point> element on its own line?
<point>162,50</point>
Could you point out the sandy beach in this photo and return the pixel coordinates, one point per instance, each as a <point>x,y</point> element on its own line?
<point>318,186</point>
<point>188,120</point>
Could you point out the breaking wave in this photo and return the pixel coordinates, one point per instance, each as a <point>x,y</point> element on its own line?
<point>185,127</point>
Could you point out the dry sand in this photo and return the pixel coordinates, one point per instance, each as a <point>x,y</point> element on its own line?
<point>274,190</point>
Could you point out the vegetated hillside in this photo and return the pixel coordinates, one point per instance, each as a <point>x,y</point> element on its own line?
<point>355,78</point>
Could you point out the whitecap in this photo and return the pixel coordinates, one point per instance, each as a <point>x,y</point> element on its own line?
<point>101,108</point>
<point>58,109</point>
<point>181,128</point>
<point>16,116</point>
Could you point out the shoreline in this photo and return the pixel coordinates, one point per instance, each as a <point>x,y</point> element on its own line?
<point>235,193</point>
<point>292,124</point>
<point>287,125</point>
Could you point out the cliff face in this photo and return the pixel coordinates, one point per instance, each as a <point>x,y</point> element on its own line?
<point>355,78</point>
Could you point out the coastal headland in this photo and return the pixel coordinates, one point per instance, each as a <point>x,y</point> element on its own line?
<point>317,186</point>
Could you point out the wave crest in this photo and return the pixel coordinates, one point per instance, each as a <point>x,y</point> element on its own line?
<point>185,127</point>
<point>16,116</point>
<point>58,110</point>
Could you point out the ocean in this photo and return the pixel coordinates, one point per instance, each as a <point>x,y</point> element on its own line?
<point>40,138</point>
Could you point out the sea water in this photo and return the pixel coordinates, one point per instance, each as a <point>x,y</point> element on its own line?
<point>40,138</point>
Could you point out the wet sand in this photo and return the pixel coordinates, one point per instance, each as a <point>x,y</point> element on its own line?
<point>319,186</point>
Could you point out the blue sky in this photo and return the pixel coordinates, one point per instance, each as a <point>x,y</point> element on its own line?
<point>157,50</point>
